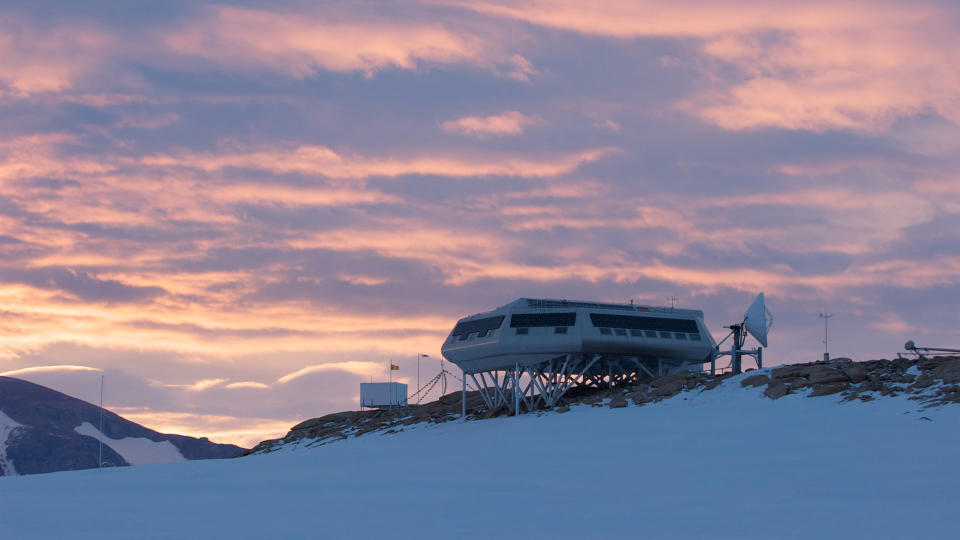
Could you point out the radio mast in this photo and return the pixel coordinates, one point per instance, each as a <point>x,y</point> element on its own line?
<point>826,352</point>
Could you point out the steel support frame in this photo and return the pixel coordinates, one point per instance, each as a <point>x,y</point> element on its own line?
<point>544,384</point>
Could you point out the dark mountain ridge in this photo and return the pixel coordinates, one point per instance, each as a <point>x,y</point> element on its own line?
<point>47,440</point>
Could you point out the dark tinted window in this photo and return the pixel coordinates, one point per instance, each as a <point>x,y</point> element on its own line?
<point>542,319</point>
<point>679,335</point>
<point>478,325</point>
<point>650,333</point>
<point>560,330</point>
<point>605,331</point>
<point>636,333</point>
<point>620,332</point>
<point>666,335</point>
<point>662,324</point>
<point>561,304</point>
<point>523,331</point>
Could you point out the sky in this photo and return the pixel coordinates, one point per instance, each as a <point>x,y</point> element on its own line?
<point>236,212</point>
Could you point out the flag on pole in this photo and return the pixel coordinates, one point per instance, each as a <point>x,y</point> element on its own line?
<point>394,367</point>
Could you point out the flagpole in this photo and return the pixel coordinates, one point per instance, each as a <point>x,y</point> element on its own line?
<point>419,356</point>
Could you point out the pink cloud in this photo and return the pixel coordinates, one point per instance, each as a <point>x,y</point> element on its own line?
<point>631,18</point>
<point>607,125</point>
<point>149,121</point>
<point>36,60</point>
<point>247,384</point>
<point>499,125</point>
<point>312,159</point>
<point>522,69</point>
<point>834,64</point>
<point>299,44</point>
<point>39,155</point>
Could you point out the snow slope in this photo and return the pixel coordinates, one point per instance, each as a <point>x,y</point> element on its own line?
<point>724,463</point>
<point>7,425</point>
<point>135,450</point>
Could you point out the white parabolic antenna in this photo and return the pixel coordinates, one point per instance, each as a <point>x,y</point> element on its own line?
<point>757,320</point>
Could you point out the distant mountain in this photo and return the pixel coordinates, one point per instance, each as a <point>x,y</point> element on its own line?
<point>42,430</point>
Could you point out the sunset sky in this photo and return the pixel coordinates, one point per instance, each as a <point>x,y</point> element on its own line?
<point>236,212</point>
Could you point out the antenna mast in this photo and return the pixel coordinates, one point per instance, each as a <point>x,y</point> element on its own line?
<point>826,318</point>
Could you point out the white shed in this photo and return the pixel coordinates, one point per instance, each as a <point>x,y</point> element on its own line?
<point>383,394</point>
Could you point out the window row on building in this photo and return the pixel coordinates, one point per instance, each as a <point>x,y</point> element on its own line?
<point>607,324</point>
<point>658,334</point>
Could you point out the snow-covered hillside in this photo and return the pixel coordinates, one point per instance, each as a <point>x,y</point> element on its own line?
<point>135,450</point>
<point>727,462</point>
<point>7,425</point>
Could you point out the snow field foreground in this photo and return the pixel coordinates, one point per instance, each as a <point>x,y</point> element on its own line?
<point>725,463</point>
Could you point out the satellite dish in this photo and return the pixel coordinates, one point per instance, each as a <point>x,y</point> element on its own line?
<point>910,346</point>
<point>757,320</point>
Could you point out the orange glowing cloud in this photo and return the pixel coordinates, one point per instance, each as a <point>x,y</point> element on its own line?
<point>247,384</point>
<point>357,368</point>
<point>239,430</point>
<point>506,123</point>
<point>198,386</point>
<point>212,329</point>
<point>46,369</point>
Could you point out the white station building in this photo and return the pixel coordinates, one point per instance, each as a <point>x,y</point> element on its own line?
<point>533,350</point>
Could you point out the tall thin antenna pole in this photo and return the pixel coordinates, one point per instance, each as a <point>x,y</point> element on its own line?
<point>673,301</point>
<point>826,352</point>
<point>100,458</point>
<point>420,356</point>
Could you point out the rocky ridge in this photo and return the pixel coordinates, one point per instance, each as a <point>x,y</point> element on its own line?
<point>931,381</point>
<point>45,438</point>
